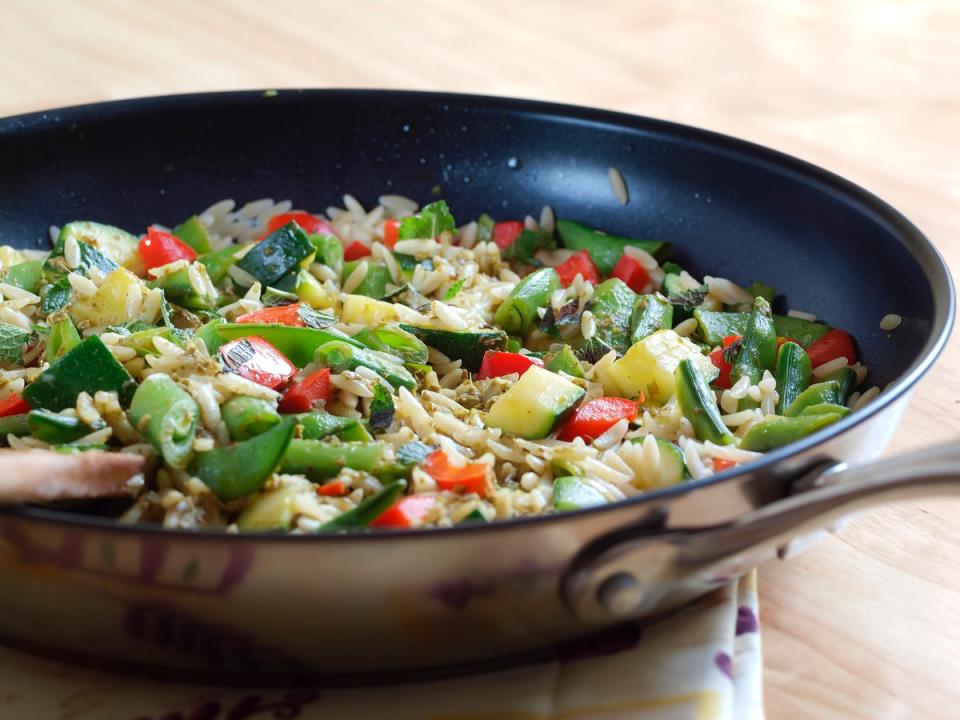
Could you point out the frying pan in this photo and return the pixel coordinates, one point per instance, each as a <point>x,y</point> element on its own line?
<point>388,605</point>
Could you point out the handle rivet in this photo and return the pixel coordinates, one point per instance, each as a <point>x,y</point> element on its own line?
<point>620,594</point>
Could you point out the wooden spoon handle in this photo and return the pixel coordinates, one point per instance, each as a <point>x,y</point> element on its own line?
<point>44,476</point>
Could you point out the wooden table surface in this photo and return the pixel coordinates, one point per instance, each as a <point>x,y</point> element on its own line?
<point>865,625</point>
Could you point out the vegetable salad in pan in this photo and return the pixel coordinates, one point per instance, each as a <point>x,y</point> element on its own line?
<point>308,372</point>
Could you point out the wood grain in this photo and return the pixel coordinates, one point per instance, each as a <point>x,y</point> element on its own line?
<point>866,624</point>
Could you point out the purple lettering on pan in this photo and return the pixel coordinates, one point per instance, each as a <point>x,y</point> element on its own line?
<point>725,663</point>
<point>746,620</point>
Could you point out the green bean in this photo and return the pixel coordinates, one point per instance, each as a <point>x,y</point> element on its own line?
<point>243,468</point>
<point>793,374</point>
<point>758,349</point>
<point>563,360</point>
<point>573,493</point>
<point>167,416</point>
<point>318,459</point>
<point>247,416</point>
<point>699,405</point>
<point>194,233</point>
<point>823,392</point>
<point>775,431</point>
<point>368,510</point>
<point>825,409</point>
<point>219,262</point>
<point>340,356</point>
<point>329,252</point>
<point>26,275</point>
<point>374,283</point>
<point>518,313</point>
<point>650,313</point>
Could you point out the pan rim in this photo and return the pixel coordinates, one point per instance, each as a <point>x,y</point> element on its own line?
<point>923,251</point>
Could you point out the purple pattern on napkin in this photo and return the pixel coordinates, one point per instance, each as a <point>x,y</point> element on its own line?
<point>746,620</point>
<point>725,664</point>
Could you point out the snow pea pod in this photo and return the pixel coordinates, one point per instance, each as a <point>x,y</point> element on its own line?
<point>317,424</point>
<point>395,341</point>
<point>167,416</point>
<point>296,343</point>
<point>318,459</point>
<point>847,379</point>
<point>758,349</point>
<point>340,356</point>
<point>816,394</point>
<point>243,468</point>
<point>699,405</point>
<point>247,416</point>
<point>793,374</point>
<point>775,431</point>
<point>612,308</point>
<point>650,313</point>
<point>604,249</point>
<point>518,313</point>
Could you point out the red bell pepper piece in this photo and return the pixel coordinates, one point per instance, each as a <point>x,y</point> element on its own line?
<point>280,315</point>
<point>255,359</point>
<point>355,251</point>
<point>336,488</point>
<point>596,416</point>
<point>580,263</point>
<point>504,233</point>
<point>158,248</point>
<point>835,343</point>
<point>635,275</point>
<point>303,396</point>
<point>469,478</point>
<point>310,224</point>
<point>14,405</point>
<point>496,363</point>
<point>391,232</point>
<point>716,357</point>
<point>721,464</point>
<point>406,512</point>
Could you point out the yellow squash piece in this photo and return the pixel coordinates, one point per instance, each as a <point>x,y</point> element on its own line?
<point>649,365</point>
<point>367,311</point>
<point>117,299</point>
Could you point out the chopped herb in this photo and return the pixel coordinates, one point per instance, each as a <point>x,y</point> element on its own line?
<point>593,350</point>
<point>382,408</point>
<point>12,340</point>
<point>689,299</point>
<point>314,319</point>
<point>414,452</point>
<point>454,289</point>
<point>432,220</point>
<point>526,245</point>
<point>57,296</point>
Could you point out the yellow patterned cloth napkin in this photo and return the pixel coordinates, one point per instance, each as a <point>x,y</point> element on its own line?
<point>703,663</point>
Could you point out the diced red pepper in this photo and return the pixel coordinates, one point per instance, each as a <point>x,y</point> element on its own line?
<point>496,363</point>
<point>391,232</point>
<point>580,263</point>
<point>635,275</point>
<point>335,488</point>
<point>158,248</point>
<point>310,224</point>
<point>257,360</point>
<point>406,512</point>
<point>835,343</point>
<point>721,464</point>
<point>304,396</point>
<point>504,233</point>
<point>469,478</point>
<point>355,251</point>
<point>596,416</point>
<point>280,315</point>
<point>14,405</point>
<point>716,357</point>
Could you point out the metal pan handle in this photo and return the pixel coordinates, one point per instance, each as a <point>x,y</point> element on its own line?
<point>633,572</point>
